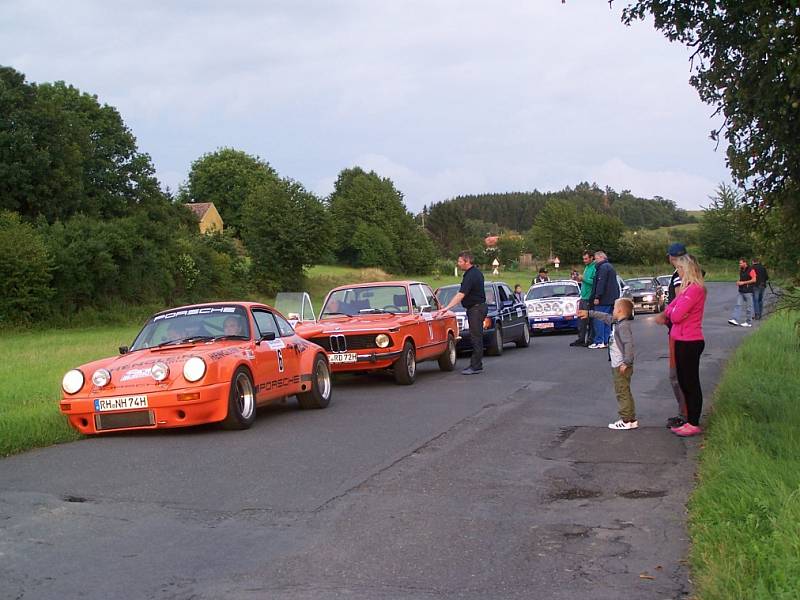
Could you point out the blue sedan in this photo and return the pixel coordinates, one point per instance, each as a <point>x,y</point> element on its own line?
<point>505,322</point>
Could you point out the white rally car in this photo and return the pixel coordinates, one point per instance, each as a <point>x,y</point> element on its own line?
<point>552,305</point>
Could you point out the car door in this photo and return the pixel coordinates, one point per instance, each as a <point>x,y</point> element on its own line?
<point>268,362</point>
<point>424,332</point>
<point>288,356</point>
<point>439,318</point>
<point>517,317</point>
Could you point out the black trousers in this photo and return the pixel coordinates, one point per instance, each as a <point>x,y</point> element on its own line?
<point>687,364</point>
<point>475,316</point>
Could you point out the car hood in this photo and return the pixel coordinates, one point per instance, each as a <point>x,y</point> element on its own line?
<point>359,324</point>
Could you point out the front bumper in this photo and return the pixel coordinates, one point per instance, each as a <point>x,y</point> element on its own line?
<point>365,361</point>
<point>207,404</point>
<point>544,324</point>
<point>464,341</point>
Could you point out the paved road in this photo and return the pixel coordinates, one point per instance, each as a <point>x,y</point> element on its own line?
<point>503,485</point>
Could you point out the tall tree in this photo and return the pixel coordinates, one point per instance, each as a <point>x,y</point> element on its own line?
<point>726,229</point>
<point>227,177</point>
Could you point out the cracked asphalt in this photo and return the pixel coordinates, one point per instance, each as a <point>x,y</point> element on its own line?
<point>503,485</point>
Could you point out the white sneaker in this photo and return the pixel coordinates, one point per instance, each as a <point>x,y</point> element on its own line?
<point>746,324</point>
<point>733,321</point>
<point>593,346</point>
<point>620,424</point>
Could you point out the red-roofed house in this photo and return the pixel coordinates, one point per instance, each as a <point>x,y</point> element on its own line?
<point>207,215</point>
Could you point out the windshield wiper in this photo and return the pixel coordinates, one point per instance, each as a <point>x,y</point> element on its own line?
<point>377,311</point>
<point>188,340</point>
<point>328,314</point>
<point>229,337</point>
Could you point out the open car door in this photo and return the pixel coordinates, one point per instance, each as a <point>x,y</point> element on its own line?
<point>296,307</point>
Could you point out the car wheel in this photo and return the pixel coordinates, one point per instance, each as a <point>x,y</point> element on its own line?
<point>447,360</point>
<point>319,396</point>
<point>496,345</point>
<point>405,367</point>
<point>241,401</point>
<point>526,338</point>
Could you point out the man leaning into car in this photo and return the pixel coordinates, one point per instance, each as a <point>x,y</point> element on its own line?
<point>472,297</point>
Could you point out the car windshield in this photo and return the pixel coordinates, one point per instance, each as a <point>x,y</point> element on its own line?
<point>552,290</point>
<point>664,279</point>
<point>366,300</point>
<point>638,285</point>
<point>194,324</point>
<point>446,293</point>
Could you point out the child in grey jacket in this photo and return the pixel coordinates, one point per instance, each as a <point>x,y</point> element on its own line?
<point>620,350</point>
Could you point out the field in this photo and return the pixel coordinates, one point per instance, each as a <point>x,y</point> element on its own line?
<point>744,517</point>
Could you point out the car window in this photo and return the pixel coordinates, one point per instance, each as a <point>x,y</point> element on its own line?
<point>418,297</point>
<point>446,293</point>
<point>354,301</point>
<point>490,297</point>
<point>502,293</point>
<point>430,296</point>
<point>283,326</point>
<point>265,322</point>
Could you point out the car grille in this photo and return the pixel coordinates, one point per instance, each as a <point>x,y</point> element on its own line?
<point>139,418</point>
<point>352,342</point>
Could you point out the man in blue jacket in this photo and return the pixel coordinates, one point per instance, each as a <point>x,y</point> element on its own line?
<point>604,293</point>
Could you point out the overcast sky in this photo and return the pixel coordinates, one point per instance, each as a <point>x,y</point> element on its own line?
<point>445,97</point>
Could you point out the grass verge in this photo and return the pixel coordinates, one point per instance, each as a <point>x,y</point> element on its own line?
<point>744,516</point>
<point>31,367</point>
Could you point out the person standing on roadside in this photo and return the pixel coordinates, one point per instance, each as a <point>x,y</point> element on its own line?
<point>587,283</point>
<point>685,316</point>
<point>518,295</point>
<point>604,293</point>
<point>747,279</point>
<point>762,277</point>
<point>472,297</point>
<point>674,252</point>
<point>542,277</point>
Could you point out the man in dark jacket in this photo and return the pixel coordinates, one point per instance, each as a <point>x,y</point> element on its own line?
<point>472,296</point>
<point>762,277</point>
<point>604,293</point>
<point>744,303</point>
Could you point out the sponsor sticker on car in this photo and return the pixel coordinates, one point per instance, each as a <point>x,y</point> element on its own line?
<point>120,403</point>
<point>343,357</point>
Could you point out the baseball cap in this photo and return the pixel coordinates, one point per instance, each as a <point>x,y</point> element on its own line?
<point>676,249</point>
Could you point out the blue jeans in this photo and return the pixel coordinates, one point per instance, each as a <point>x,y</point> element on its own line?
<point>745,300</point>
<point>758,301</point>
<point>602,332</point>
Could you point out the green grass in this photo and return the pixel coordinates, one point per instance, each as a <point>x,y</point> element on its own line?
<point>31,367</point>
<point>745,513</point>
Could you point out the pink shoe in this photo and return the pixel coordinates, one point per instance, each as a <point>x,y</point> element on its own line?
<point>687,430</point>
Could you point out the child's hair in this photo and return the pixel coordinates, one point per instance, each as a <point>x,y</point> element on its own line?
<point>627,305</point>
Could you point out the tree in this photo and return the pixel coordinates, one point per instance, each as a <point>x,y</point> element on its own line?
<point>726,229</point>
<point>745,64</point>
<point>285,230</point>
<point>62,152</point>
<point>556,231</point>
<point>363,206</point>
<point>601,232</point>
<point>446,223</point>
<point>227,178</point>
<point>509,247</point>
<point>25,271</point>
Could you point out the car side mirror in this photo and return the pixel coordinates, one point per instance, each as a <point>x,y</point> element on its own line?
<point>427,309</point>
<point>124,349</point>
<point>267,337</point>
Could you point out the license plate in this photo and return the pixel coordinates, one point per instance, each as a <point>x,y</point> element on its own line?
<point>543,325</point>
<point>343,357</point>
<point>120,403</point>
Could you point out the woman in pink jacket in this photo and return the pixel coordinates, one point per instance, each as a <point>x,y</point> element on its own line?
<point>685,313</point>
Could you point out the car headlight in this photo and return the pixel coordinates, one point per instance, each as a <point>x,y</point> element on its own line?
<point>72,381</point>
<point>194,369</point>
<point>101,377</point>
<point>382,340</point>
<point>569,308</point>
<point>160,371</point>
<point>648,298</point>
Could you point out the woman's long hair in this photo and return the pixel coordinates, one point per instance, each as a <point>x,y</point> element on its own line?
<point>690,271</point>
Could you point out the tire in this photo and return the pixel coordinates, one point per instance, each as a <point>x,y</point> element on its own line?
<point>241,401</point>
<point>447,360</point>
<point>526,337</point>
<point>496,345</point>
<point>405,367</point>
<point>319,395</point>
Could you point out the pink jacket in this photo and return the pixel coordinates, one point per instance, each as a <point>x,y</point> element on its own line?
<point>686,314</point>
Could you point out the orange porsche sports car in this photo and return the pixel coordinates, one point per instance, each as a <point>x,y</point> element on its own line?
<point>203,363</point>
<point>387,324</point>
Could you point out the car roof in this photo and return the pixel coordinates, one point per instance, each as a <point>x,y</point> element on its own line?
<point>402,282</point>
<point>556,282</point>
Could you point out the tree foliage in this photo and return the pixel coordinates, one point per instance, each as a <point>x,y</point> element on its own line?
<point>25,271</point>
<point>727,226</point>
<point>367,209</point>
<point>227,177</point>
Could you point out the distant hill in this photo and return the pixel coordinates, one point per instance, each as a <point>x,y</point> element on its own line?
<point>517,210</point>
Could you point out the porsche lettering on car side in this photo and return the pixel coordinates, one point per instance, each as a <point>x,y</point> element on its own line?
<point>384,325</point>
<point>210,363</point>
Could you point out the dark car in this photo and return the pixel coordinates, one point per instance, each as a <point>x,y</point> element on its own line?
<point>647,293</point>
<point>505,322</point>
